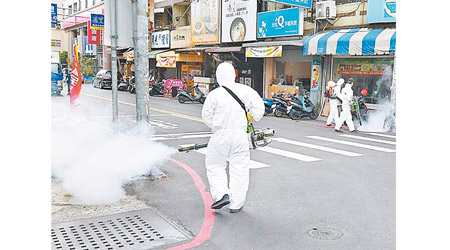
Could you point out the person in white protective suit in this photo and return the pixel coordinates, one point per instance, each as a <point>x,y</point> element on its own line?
<point>333,115</point>
<point>346,116</point>
<point>227,119</point>
<point>338,101</point>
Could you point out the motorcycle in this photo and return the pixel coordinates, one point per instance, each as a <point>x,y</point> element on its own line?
<point>359,110</point>
<point>131,85</point>
<point>156,89</point>
<point>302,107</point>
<point>282,106</point>
<point>185,95</point>
<point>269,106</point>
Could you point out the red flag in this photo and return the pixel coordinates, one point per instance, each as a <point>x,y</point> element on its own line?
<point>75,80</point>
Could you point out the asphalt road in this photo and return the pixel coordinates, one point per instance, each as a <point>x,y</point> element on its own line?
<point>309,177</point>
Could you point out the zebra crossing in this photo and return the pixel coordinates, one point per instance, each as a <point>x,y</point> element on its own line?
<point>353,143</point>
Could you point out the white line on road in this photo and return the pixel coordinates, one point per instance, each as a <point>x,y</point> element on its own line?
<point>383,135</point>
<point>307,145</point>
<point>388,150</point>
<point>289,154</point>
<point>253,164</point>
<point>162,138</point>
<point>369,139</point>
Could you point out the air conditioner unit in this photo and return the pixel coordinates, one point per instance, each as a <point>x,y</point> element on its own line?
<point>325,9</point>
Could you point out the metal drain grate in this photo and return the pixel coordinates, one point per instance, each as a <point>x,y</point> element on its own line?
<point>142,229</point>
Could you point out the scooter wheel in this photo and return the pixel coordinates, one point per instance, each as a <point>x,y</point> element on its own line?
<point>278,113</point>
<point>182,99</point>
<point>313,115</point>
<point>202,100</point>
<point>293,115</point>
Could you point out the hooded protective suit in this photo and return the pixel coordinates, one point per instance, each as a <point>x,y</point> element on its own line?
<point>346,115</point>
<point>222,113</point>
<point>333,116</point>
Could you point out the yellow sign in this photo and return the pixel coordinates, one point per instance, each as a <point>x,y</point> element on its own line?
<point>269,51</point>
<point>205,23</point>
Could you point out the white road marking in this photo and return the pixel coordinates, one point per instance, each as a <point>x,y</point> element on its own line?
<point>289,154</point>
<point>383,135</point>
<point>388,150</point>
<point>253,164</point>
<point>162,138</point>
<point>307,145</point>
<point>369,139</point>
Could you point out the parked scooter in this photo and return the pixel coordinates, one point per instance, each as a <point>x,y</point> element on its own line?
<point>282,106</point>
<point>131,85</point>
<point>302,107</point>
<point>156,89</point>
<point>185,95</point>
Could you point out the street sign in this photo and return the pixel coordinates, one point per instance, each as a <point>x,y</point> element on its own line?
<point>54,13</point>
<point>97,21</point>
<point>299,3</point>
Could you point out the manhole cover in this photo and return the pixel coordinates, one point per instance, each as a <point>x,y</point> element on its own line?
<point>325,233</point>
<point>142,229</point>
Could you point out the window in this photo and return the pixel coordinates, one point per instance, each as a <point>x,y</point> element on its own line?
<point>75,7</point>
<point>86,4</point>
<point>70,9</point>
<point>79,4</point>
<point>56,43</point>
<point>93,2</point>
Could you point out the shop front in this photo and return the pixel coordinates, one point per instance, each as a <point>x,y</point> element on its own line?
<point>366,55</point>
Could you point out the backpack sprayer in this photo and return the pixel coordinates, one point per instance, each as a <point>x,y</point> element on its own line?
<point>257,138</point>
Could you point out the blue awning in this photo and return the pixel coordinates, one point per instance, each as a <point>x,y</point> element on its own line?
<point>359,41</point>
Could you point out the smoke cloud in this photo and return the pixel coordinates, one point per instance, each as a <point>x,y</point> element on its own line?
<point>382,119</point>
<point>93,163</point>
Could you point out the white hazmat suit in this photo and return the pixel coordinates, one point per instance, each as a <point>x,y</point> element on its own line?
<point>333,115</point>
<point>346,115</point>
<point>223,114</point>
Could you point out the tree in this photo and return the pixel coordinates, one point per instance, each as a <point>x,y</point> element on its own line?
<point>63,57</point>
<point>87,65</point>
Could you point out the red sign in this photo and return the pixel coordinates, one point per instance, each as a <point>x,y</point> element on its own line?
<point>93,35</point>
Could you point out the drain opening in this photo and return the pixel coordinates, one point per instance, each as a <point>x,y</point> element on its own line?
<point>325,233</point>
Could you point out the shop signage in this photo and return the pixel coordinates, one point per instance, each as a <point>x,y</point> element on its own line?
<point>205,21</point>
<point>97,21</point>
<point>300,3</point>
<point>269,51</point>
<point>161,39</point>
<point>54,13</point>
<point>166,60</point>
<point>89,49</point>
<point>287,22</point>
<point>238,20</point>
<point>93,35</point>
<point>362,66</point>
<point>180,38</point>
<point>379,11</point>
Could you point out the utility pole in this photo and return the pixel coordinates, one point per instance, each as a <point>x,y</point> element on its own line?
<point>114,61</point>
<point>140,38</point>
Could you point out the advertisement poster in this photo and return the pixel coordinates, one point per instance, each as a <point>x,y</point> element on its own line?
<point>379,11</point>
<point>262,52</point>
<point>205,21</point>
<point>300,3</point>
<point>373,67</point>
<point>287,22</point>
<point>315,76</point>
<point>161,39</point>
<point>238,20</point>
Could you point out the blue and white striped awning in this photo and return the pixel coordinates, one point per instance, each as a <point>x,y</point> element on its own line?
<point>360,41</point>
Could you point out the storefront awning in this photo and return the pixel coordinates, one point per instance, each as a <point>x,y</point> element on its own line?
<point>152,53</point>
<point>193,49</point>
<point>298,43</point>
<point>360,41</point>
<point>223,49</point>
